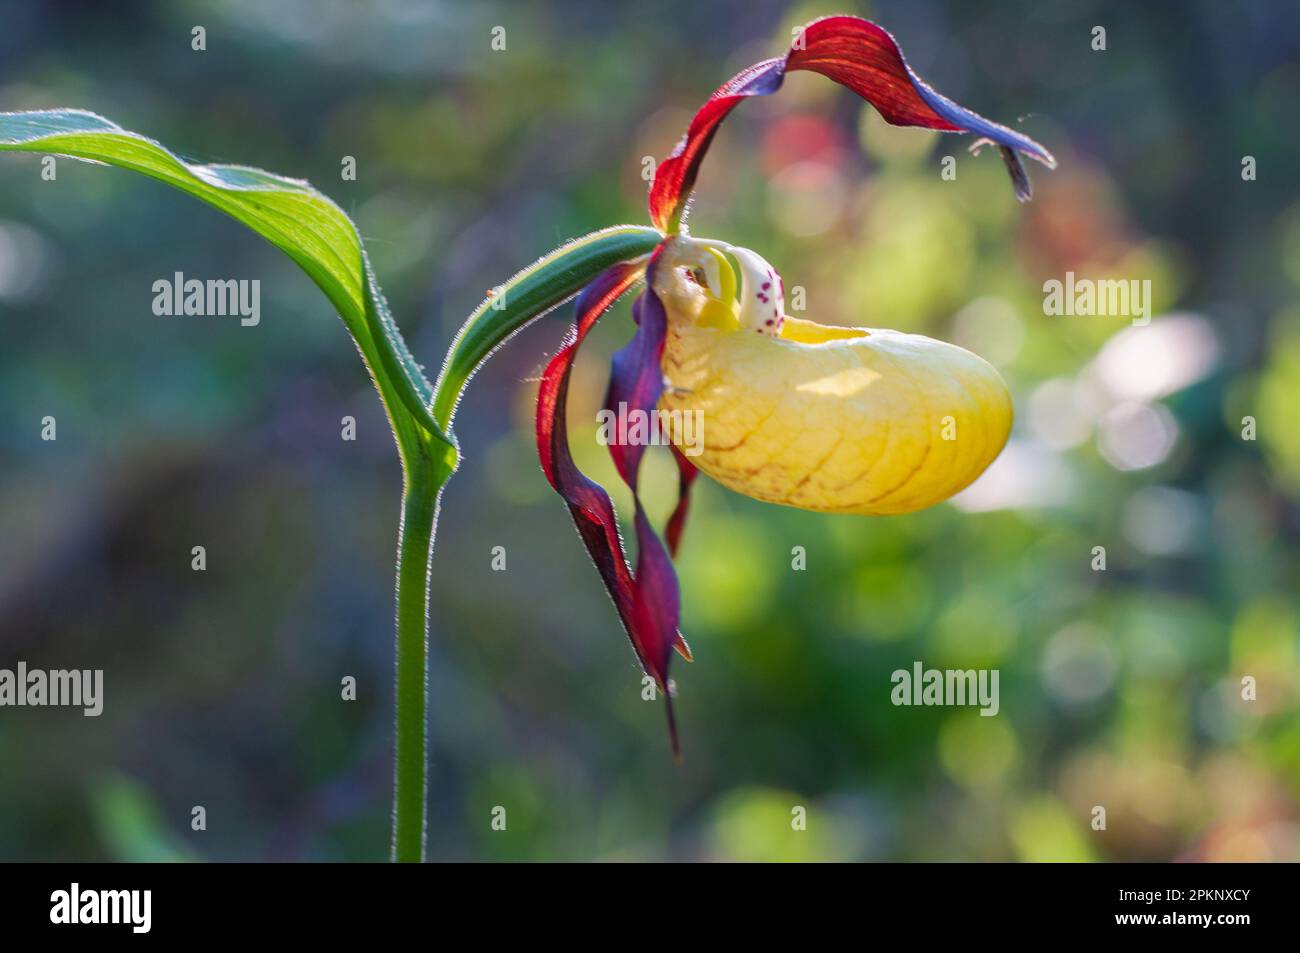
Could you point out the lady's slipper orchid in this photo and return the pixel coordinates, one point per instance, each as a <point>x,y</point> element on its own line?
<point>834,419</point>
<point>845,420</point>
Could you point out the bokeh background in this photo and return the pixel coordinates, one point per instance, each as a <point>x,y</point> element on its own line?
<point>1119,688</point>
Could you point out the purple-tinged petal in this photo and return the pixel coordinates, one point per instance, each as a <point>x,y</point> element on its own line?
<point>647,601</point>
<point>854,53</point>
<point>636,379</point>
<point>657,608</point>
<point>635,384</point>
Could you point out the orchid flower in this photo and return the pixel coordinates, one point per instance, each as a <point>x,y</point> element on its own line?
<point>834,419</point>
<point>846,420</point>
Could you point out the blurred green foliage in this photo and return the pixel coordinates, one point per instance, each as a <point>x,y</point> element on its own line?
<point>1118,688</point>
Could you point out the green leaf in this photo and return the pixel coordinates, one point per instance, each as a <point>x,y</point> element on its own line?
<point>288,213</point>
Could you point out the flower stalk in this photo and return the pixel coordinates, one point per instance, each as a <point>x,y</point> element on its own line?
<point>421,493</point>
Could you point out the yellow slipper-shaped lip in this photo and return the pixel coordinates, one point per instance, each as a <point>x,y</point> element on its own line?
<point>840,420</point>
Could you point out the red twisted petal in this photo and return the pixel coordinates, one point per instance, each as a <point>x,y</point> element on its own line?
<point>589,504</point>
<point>854,53</point>
<point>648,600</point>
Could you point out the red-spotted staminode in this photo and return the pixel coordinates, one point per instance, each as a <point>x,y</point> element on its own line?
<point>761,406</point>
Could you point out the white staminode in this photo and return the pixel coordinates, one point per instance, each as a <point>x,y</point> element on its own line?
<point>762,293</point>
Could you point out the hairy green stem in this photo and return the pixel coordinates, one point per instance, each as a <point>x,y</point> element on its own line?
<point>410,763</point>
